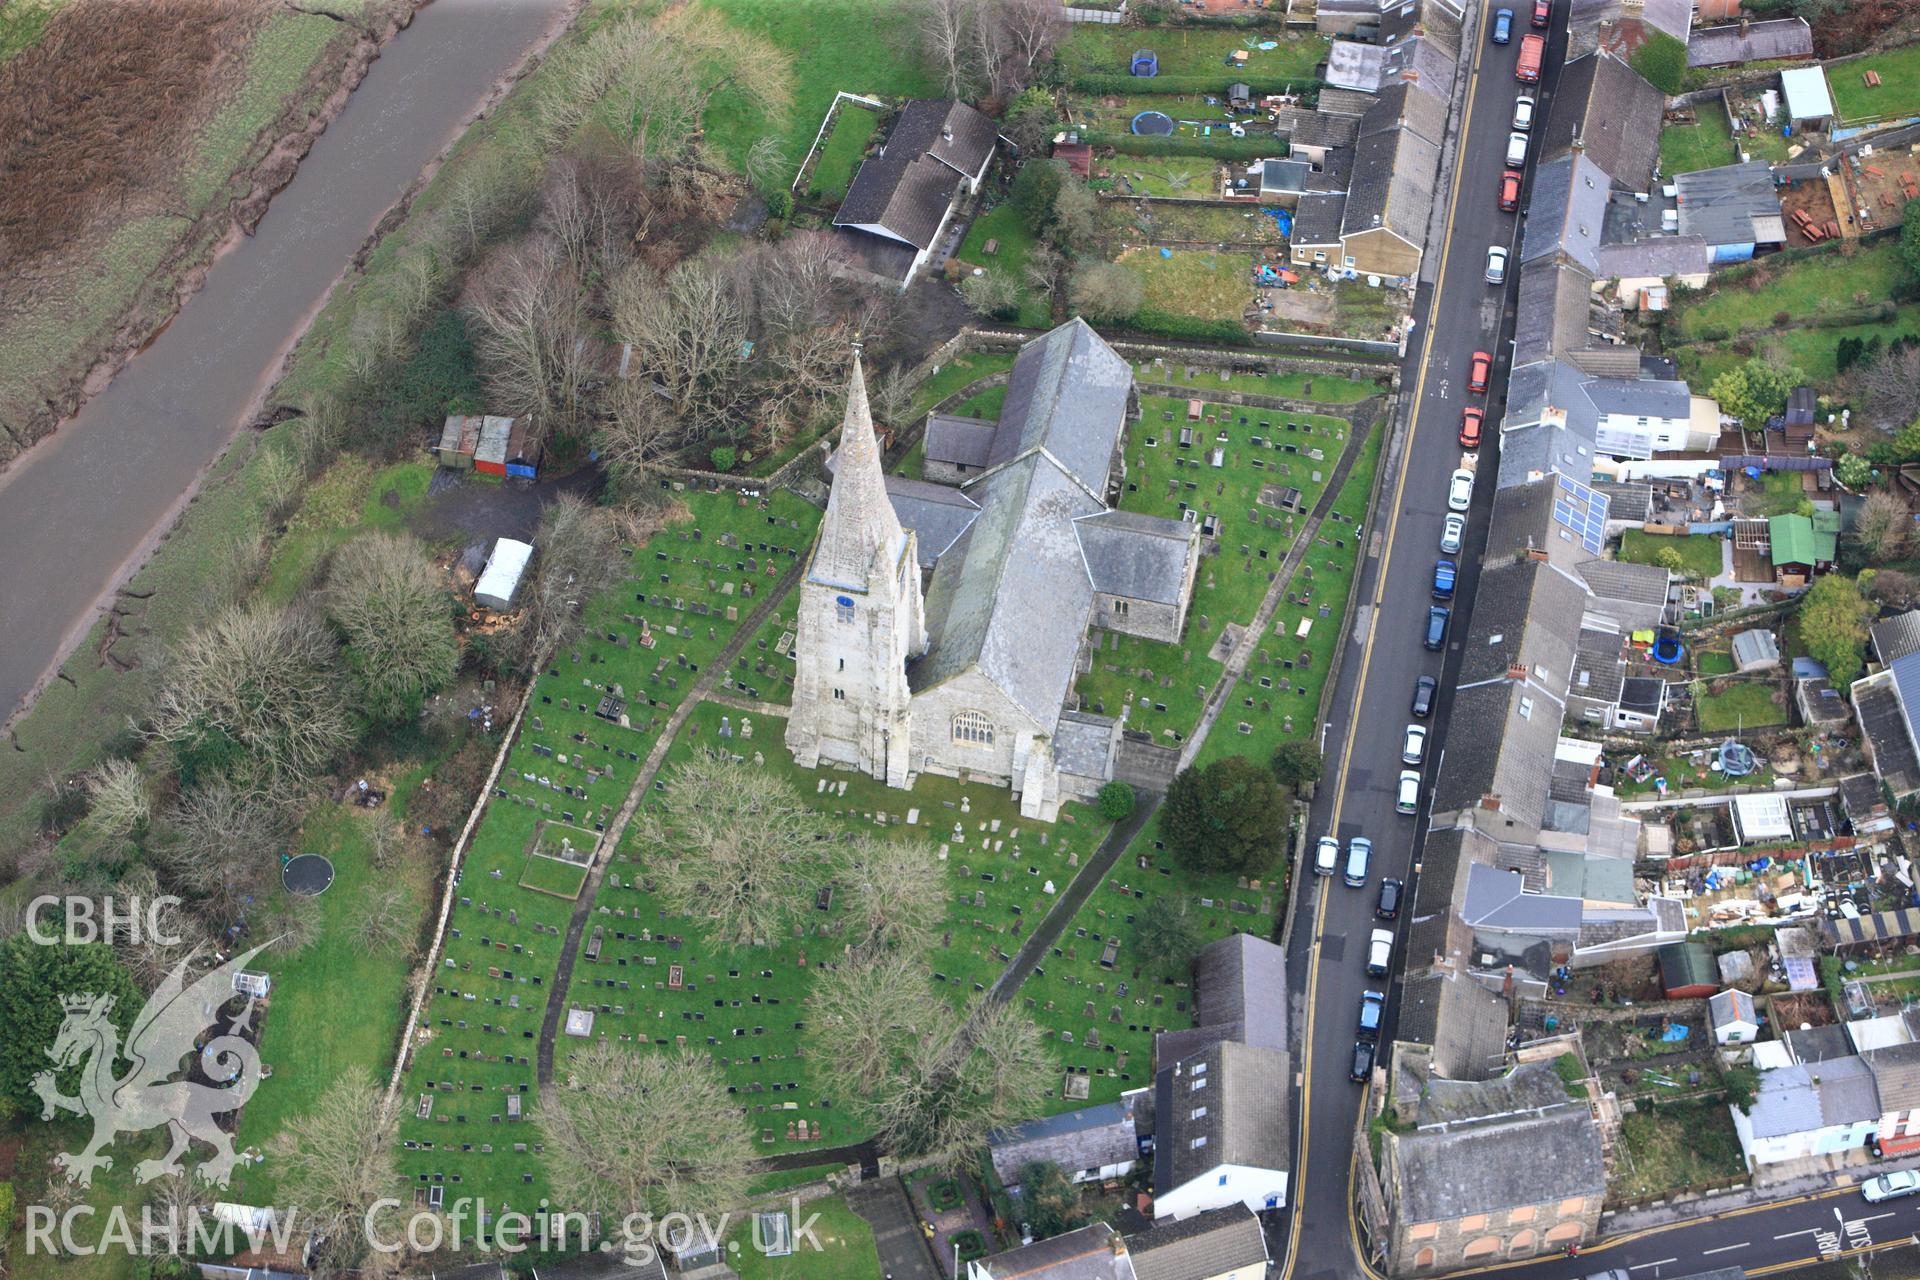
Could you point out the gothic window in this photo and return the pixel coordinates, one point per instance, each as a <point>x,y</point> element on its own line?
<point>971,726</point>
<point>839,695</point>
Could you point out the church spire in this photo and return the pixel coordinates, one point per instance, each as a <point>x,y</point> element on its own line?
<point>860,524</point>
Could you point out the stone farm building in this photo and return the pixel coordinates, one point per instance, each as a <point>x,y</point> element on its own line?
<point>941,627</point>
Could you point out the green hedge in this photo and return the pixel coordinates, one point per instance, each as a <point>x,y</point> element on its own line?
<point>1166,324</point>
<point>1119,82</point>
<point>1222,147</point>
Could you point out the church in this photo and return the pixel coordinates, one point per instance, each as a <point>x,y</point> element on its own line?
<point>942,625</point>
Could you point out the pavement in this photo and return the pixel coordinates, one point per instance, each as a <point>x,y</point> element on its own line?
<point>904,1254</point>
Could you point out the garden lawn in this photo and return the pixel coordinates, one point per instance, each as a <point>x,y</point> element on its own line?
<point>1204,284</point>
<point>1015,240</point>
<point>1189,51</point>
<point>1713,662</point>
<point>1813,282</point>
<point>1897,95</point>
<point>1188,176</point>
<point>854,128</point>
<point>1164,686</point>
<point>1705,144</point>
<point>1745,704</point>
<point>1277,699</point>
<point>1142,223</point>
<point>846,1249</point>
<point>1699,551</point>
<point>1676,1146</point>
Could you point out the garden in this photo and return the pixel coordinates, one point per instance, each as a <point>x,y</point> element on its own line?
<point>1093,52</point>
<point>1200,284</point>
<point>1741,704</point>
<point>1669,1148</point>
<point>854,129</point>
<point>1896,96</point>
<point>1700,553</point>
<point>1707,143</point>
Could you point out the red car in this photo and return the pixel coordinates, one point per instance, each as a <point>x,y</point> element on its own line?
<point>1542,13</point>
<point>1470,420</point>
<point>1480,372</point>
<point>1510,191</point>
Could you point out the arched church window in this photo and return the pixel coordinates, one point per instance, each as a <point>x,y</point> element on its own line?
<point>971,726</point>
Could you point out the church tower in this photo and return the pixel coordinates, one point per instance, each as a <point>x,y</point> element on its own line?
<point>861,618</point>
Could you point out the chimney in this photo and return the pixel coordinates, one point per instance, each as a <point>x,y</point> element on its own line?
<point>1536,553</point>
<point>946,132</point>
<point>1516,671</point>
<point>1506,984</point>
<point>1490,802</point>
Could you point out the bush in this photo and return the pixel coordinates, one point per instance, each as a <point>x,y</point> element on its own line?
<point>1169,325</point>
<point>779,205</point>
<point>725,458</point>
<point>1119,82</point>
<point>1231,816</point>
<point>1052,1202</point>
<point>1116,801</point>
<point>1663,61</point>
<point>1229,148</point>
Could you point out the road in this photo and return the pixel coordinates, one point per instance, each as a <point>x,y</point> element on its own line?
<point>78,514</point>
<point>1460,314</point>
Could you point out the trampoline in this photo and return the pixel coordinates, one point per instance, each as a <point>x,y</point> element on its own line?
<point>1144,63</point>
<point>309,874</point>
<point>1153,124</point>
<point>1668,650</point>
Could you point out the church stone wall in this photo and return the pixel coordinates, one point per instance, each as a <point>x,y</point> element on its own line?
<point>934,747</point>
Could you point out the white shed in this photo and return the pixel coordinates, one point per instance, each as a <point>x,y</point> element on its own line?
<point>1809,102</point>
<point>500,580</point>
<point>1734,1018</point>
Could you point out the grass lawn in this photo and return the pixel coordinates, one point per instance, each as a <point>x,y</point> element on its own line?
<point>1898,93</point>
<point>1780,495</point>
<point>957,374</point>
<point>1811,350</point>
<point>1814,282</point>
<point>1265,451</point>
<point>1014,241</point>
<point>1684,773</point>
<point>1139,224</point>
<point>1325,388</point>
<point>1700,552</point>
<point>1713,662</point>
<point>1676,1146</point>
<point>1278,697</point>
<point>22,21</point>
<point>1744,705</point>
<point>351,499</point>
<point>1705,144</point>
<point>1204,284</point>
<point>1189,51</point>
<point>840,155</point>
<point>1188,176</point>
<point>846,1249</point>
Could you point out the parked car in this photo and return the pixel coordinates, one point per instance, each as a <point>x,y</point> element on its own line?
<point>1444,574</point>
<point>1326,856</point>
<point>1414,749</point>
<point>1453,531</point>
<point>1379,952</point>
<point>1479,371</point>
<point>1890,1186</point>
<point>1389,905</point>
<point>1437,619</point>
<point>1502,26</point>
<point>1516,150</point>
<point>1523,113</point>
<point>1460,490</point>
<point>1472,422</point>
<point>1373,1008</point>
<point>1359,853</point>
<point>1542,13</point>
<point>1362,1062</point>
<point>1423,690</point>
<point>1406,797</point>
<point>1497,264</point>
<point>1510,191</point>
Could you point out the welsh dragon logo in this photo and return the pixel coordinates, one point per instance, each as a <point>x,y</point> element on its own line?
<point>168,1029</point>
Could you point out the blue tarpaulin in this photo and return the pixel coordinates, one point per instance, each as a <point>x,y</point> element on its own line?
<point>1675,1033</point>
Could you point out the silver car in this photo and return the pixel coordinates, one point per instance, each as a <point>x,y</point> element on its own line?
<point>1453,530</point>
<point>1497,264</point>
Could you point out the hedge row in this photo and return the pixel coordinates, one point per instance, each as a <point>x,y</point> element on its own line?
<point>1154,86</point>
<point>1166,324</point>
<point>1221,147</point>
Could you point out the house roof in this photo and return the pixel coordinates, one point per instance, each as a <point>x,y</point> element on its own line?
<point>1089,1138</point>
<point>1091,1253</point>
<point>1410,106</point>
<point>1485,1166</point>
<point>1136,556</point>
<point>1612,114</point>
<point>1817,1044</point>
<point>1566,212</point>
<point>1240,1115</point>
<point>1785,1102</point>
<point>1600,668</point>
<point>1806,91</point>
<point>938,514</point>
<point>1392,185</point>
<point>1640,397</point>
<point>1345,102</point>
<point>1551,316</point>
<point>1795,540</point>
<point>1317,219</point>
<point>1240,982</point>
<point>1321,129</point>
<point>1896,1075</point>
<point>1463,1022</point>
<point>1511,764</point>
<point>1216,1242</point>
<point>1662,256</point>
<point>1776,39</point>
<point>1497,901</point>
<point>1730,205</point>
<point>1876,703</point>
<point>1846,1090</point>
<point>907,187</point>
<point>1525,613</point>
<point>964,441</point>
<point>1896,637</point>
<point>1643,584</point>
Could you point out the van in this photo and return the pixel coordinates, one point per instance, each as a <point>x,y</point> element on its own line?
<point>1517,147</point>
<point>1379,953</point>
<point>1326,856</point>
<point>1359,852</point>
<point>1406,797</point>
<point>1533,51</point>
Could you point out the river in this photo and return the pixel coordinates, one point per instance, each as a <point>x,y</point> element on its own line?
<point>80,512</point>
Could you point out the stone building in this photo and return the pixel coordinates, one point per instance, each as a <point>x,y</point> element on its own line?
<point>941,628</point>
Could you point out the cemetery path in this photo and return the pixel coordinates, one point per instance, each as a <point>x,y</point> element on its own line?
<point>1357,429</point>
<point>583,906</point>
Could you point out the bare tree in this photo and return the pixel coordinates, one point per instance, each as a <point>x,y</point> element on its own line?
<point>994,292</point>
<point>687,329</point>
<point>1888,387</point>
<point>157,952</point>
<point>947,37</point>
<point>391,603</point>
<point>336,1161</point>
<point>578,559</point>
<point>862,1011</point>
<point>894,891</point>
<point>1030,33</point>
<point>892,399</point>
<point>386,923</point>
<point>291,922</point>
<point>267,679</point>
<point>1107,291</point>
<point>641,430</point>
<point>280,477</point>
<point>767,164</point>
<point>117,797</point>
<point>530,316</point>
<point>1895,587</point>
<point>652,1131</point>
<point>1882,527</point>
<point>737,847</point>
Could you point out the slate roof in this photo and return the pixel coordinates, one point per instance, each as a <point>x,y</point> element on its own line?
<point>1068,394</point>
<point>1523,521</point>
<point>1818,1044</point>
<point>1662,256</point>
<point>938,514</point>
<point>1566,212</point>
<point>1240,1116</point>
<point>967,441</point>
<point>1443,1174</point>
<point>1610,111</point>
<point>1776,39</point>
<point>1317,220</point>
<point>1600,669</point>
<point>1551,316</point>
<point>1213,1243</point>
<point>1508,757</point>
<point>1241,982</point>
<point>1463,1022</point>
<point>1357,66</point>
<point>1728,205</point>
<point>1443,869</point>
<point>1896,1076</point>
<point>1089,1138</point>
<point>1086,1254</point>
<point>1525,613</point>
<point>1644,584</point>
<point>1345,102</point>
<point>1846,1090</point>
<point>1497,901</point>
<point>907,187</point>
<point>1641,397</point>
<point>1082,744</point>
<point>1137,556</point>
<point>1392,185</point>
<point>1631,503</point>
<point>1884,722</point>
<point>1407,106</point>
<point>1320,129</point>
<point>1896,637</point>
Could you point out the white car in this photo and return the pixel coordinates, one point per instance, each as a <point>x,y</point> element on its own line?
<point>1453,531</point>
<point>1460,490</point>
<point>1406,797</point>
<point>1516,150</point>
<point>1890,1186</point>
<point>1415,748</point>
<point>1326,856</point>
<point>1497,264</point>
<point>1523,113</point>
<point>1379,953</point>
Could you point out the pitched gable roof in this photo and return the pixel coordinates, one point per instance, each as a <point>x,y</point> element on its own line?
<point>1608,110</point>
<point>1216,1242</point>
<point>1068,394</point>
<point>907,187</point>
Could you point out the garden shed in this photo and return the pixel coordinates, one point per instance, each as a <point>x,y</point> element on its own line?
<point>1734,1017</point>
<point>500,581</point>
<point>1687,971</point>
<point>1756,650</point>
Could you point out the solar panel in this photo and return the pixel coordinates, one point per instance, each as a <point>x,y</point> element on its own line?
<point>1583,510</point>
